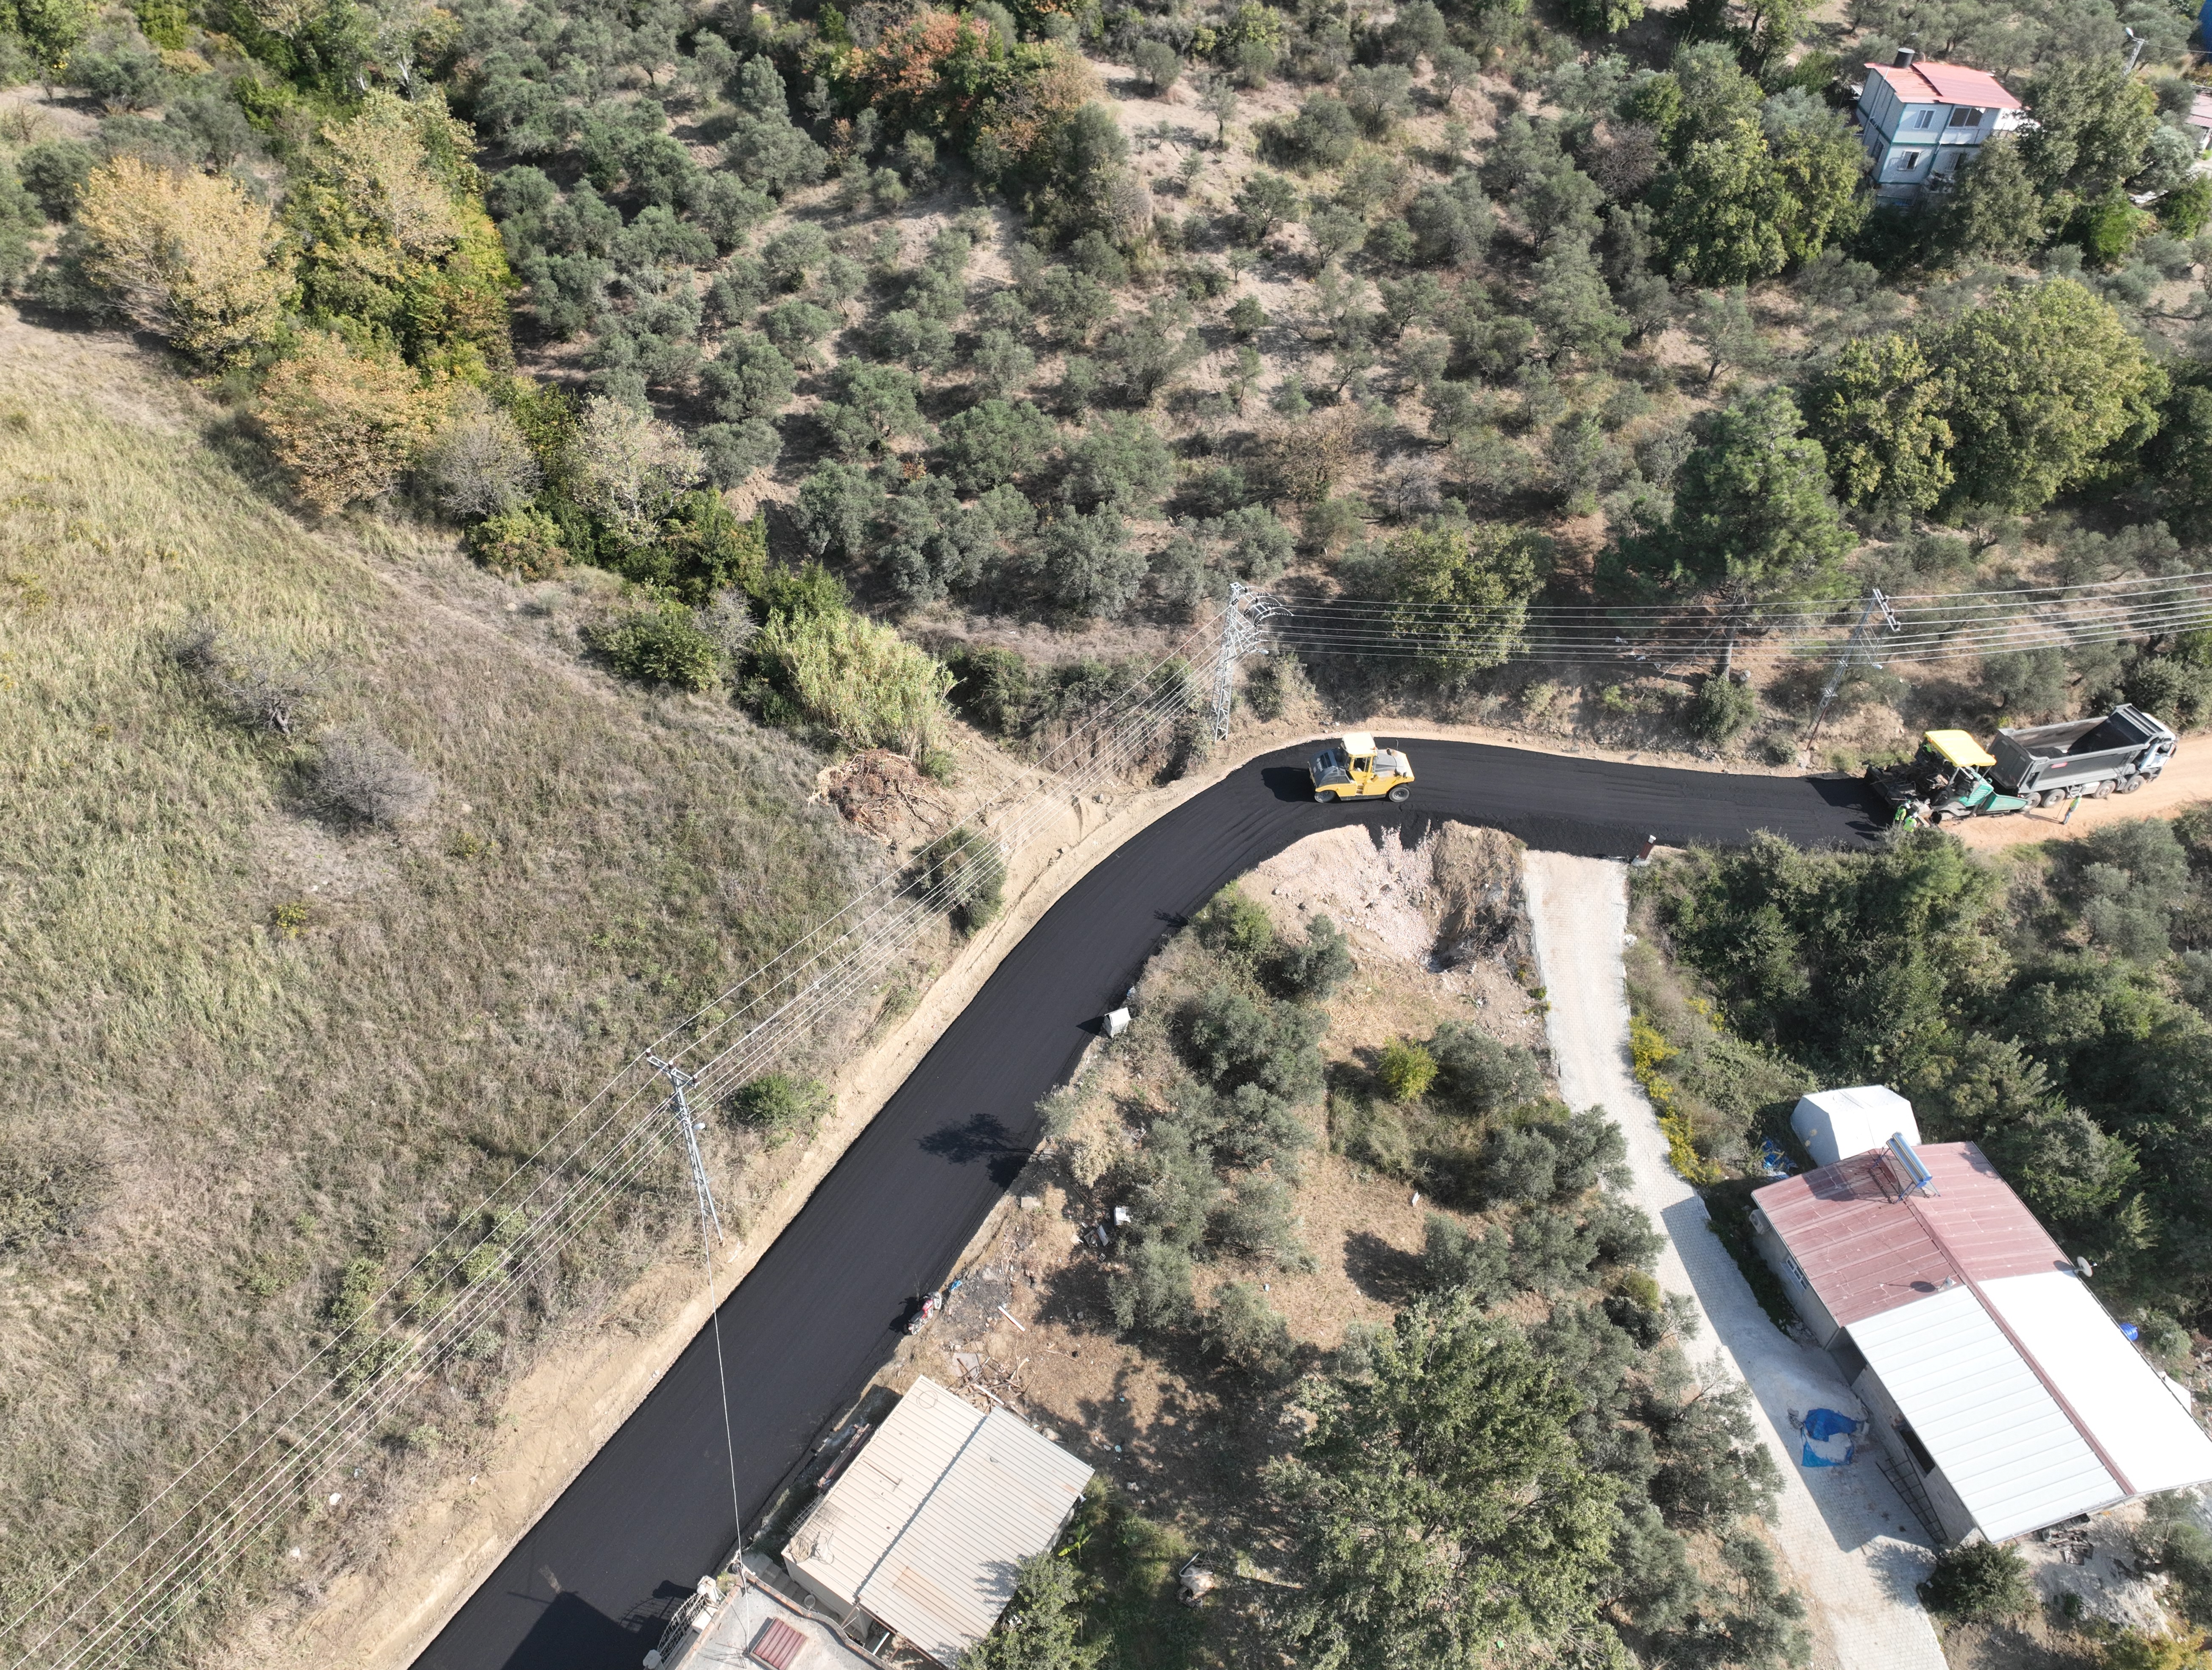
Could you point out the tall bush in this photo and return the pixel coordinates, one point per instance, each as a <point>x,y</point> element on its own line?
<point>189,256</point>
<point>858,680</point>
<point>347,425</point>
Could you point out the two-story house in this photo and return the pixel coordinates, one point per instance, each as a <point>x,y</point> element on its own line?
<point>1921,121</point>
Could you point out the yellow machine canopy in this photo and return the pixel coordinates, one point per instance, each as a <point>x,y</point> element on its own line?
<point>1960,748</point>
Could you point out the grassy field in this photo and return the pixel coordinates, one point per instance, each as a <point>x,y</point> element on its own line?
<point>245,1047</point>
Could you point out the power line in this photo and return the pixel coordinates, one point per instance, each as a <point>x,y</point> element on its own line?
<point>828,966</point>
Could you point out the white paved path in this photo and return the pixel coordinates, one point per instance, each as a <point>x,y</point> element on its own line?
<point>1853,1546</point>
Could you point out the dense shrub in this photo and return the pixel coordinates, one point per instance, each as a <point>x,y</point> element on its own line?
<point>1988,1579</point>
<point>779,1106</point>
<point>664,644</point>
<point>965,875</point>
<point>858,680</point>
<point>1721,710</point>
<point>1407,1070</point>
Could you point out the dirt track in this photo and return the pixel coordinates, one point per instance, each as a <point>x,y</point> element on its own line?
<point>1843,1531</point>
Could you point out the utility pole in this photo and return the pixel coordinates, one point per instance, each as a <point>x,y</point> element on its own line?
<point>1240,637</point>
<point>710,1234</point>
<point>1876,603</point>
<point>710,1221</point>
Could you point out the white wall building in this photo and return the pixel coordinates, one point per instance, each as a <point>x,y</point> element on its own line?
<point>1921,121</point>
<point>1835,1124</point>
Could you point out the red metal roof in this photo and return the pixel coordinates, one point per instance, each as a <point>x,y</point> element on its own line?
<point>1865,1251</point>
<point>1921,82</point>
<point>2200,110</point>
<point>778,1644</point>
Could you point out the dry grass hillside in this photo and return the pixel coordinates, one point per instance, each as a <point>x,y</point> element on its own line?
<point>245,1045</point>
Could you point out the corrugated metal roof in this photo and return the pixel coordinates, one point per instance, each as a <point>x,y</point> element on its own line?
<point>1865,1250</point>
<point>927,1526</point>
<point>2155,1442</point>
<point>1994,1430</point>
<point>1924,83</point>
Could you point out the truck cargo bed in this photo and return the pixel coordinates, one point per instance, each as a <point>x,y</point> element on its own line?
<point>2077,751</point>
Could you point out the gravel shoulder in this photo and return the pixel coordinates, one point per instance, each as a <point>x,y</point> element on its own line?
<point>1849,1540</point>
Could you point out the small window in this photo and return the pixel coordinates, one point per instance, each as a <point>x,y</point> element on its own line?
<point>1922,119</point>
<point>1964,118</point>
<point>1907,162</point>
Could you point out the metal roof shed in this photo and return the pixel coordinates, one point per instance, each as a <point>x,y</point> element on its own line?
<point>1993,1372</point>
<point>926,1528</point>
<point>1832,1124</point>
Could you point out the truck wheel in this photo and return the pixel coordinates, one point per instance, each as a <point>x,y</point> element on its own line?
<point>2151,776</point>
<point>2103,791</point>
<point>2131,783</point>
<point>1326,796</point>
<point>1400,795</point>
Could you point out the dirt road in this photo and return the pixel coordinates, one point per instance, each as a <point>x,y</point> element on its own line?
<point>1843,1530</point>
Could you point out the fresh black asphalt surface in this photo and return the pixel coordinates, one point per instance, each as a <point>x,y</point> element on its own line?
<point>586,1589</point>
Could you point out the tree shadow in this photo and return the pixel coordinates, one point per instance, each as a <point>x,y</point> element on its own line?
<point>1390,1275</point>
<point>983,1137</point>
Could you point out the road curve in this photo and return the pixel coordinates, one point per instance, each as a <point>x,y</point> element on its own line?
<point>584,1589</point>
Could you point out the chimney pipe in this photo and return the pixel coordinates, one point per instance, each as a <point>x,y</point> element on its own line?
<point>1905,56</point>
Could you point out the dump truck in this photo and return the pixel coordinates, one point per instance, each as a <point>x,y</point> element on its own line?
<point>1356,770</point>
<point>1953,776</point>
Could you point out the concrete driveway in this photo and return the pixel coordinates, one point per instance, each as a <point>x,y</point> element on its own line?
<point>1853,1546</point>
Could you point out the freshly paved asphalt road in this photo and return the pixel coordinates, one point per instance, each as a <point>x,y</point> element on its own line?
<point>586,1589</point>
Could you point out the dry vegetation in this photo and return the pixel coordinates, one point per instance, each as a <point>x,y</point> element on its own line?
<point>247,1042</point>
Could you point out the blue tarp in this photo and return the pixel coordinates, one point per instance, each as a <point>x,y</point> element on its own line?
<point>1831,1439</point>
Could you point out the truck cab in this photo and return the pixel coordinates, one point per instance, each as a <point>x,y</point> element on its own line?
<point>1356,770</point>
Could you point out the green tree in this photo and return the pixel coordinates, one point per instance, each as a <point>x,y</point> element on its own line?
<point>995,442</point>
<point>1880,412</point>
<point>1573,307</point>
<point>1488,570</point>
<point>1725,327</point>
<point>1994,212</point>
<point>1443,1503</point>
<point>1988,1579</point>
<point>1603,17</point>
<point>836,505</point>
<point>2093,124</point>
<point>1752,516</point>
<point>1155,61</point>
<point>876,404</point>
<point>1820,169</point>
<point>1120,465</point>
<point>1720,214</point>
<point>2052,391</point>
<point>51,28</point>
<point>1265,202</point>
<point>748,378</point>
<point>1088,564</point>
<point>1041,1627</point>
